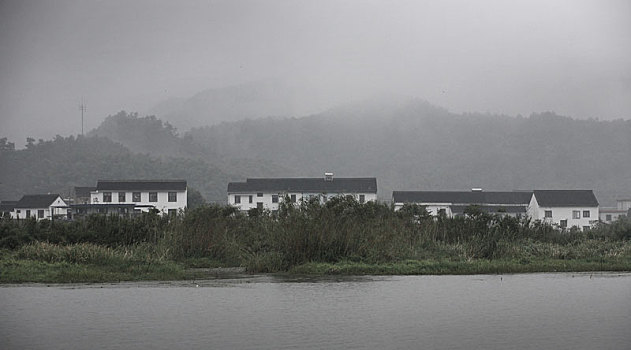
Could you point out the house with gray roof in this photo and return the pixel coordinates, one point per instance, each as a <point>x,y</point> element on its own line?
<point>565,208</point>
<point>267,193</point>
<point>40,206</point>
<point>166,196</point>
<point>454,203</point>
<point>6,207</point>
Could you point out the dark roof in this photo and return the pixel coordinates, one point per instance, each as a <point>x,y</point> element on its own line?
<point>7,205</point>
<point>315,185</point>
<point>459,209</point>
<point>566,198</point>
<point>464,197</point>
<point>83,191</point>
<point>36,201</point>
<point>140,185</point>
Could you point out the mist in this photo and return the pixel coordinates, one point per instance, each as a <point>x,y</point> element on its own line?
<point>518,57</point>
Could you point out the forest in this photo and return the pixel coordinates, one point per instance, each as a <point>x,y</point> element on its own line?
<point>407,145</point>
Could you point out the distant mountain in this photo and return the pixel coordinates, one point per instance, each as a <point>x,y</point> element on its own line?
<point>407,144</point>
<point>246,101</point>
<point>55,166</point>
<point>410,144</point>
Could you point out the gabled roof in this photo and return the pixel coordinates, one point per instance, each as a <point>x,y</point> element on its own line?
<point>463,197</point>
<point>141,185</point>
<point>313,185</point>
<point>7,205</point>
<point>36,201</point>
<point>83,191</point>
<point>566,198</point>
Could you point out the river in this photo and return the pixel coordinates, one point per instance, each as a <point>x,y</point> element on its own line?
<point>524,311</point>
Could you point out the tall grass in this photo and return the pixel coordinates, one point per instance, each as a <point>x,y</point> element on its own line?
<point>339,230</point>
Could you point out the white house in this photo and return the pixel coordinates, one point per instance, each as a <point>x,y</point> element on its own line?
<point>267,193</point>
<point>454,203</point>
<point>40,206</point>
<point>167,196</point>
<point>565,208</point>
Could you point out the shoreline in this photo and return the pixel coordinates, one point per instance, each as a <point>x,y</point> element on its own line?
<point>29,271</point>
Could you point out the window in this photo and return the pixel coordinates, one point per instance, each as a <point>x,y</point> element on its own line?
<point>293,198</point>
<point>172,196</point>
<point>172,212</point>
<point>586,228</point>
<point>563,224</point>
<point>250,198</point>
<point>585,213</point>
<point>40,213</point>
<point>107,197</point>
<point>274,198</point>
<point>153,196</point>
<point>442,212</point>
<point>237,199</point>
<point>259,195</point>
<point>135,197</point>
<point>259,205</point>
<point>576,214</point>
<point>362,198</point>
<point>28,213</point>
<point>121,197</point>
<point>548,213</point>
<point>608,217</point>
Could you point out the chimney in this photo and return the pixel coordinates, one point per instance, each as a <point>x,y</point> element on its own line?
<point>476,189</point>
<point>328,176</point>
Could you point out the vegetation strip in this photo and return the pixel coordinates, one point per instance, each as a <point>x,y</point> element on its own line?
<point>340,236</point>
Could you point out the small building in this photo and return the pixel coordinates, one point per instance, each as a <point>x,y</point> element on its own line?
<point>166,196</point>
<point>6,207</point>
<point>454,203</point>
<point>267,193</point>
<point>565,208</point>
<point>40,206</point>
<point>81,210</point>
<point>622,209</point>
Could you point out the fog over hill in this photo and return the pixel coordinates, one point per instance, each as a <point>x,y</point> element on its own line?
<point>268,98</point>
<point>412,145</point>
<point>408,144</point>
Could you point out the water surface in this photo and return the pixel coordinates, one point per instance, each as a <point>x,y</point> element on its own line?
<point>529,311</point>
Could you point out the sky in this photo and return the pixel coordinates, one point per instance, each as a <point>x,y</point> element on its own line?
<point>510,57</point>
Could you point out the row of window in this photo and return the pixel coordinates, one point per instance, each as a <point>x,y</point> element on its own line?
<point>292,198</point>
<point>135,197</point>
<point>40,213</point>
<point>576,214</point>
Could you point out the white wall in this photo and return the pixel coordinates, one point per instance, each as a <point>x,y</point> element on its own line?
<point>58,207</point>
<point>266,198</point>
<point>566,213</point>
<point>162,204</point>
<point>613,213</point>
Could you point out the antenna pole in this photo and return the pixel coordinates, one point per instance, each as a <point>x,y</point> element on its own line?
<point>83,108</point>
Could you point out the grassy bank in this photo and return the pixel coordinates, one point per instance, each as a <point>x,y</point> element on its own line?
<point>445,267</point>
<point>340,236</point>
<point>53,263</point>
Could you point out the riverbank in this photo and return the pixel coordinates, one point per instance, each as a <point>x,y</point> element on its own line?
<point>340,236</point>
<point>18,270</point>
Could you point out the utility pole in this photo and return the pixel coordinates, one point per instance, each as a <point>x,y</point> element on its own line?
<point>83,108</point>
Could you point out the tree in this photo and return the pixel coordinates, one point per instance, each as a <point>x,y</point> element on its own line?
<point>5,145</point>
<point>195,199</point>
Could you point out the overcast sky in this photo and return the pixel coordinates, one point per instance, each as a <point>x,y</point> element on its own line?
<point>572,57</point>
